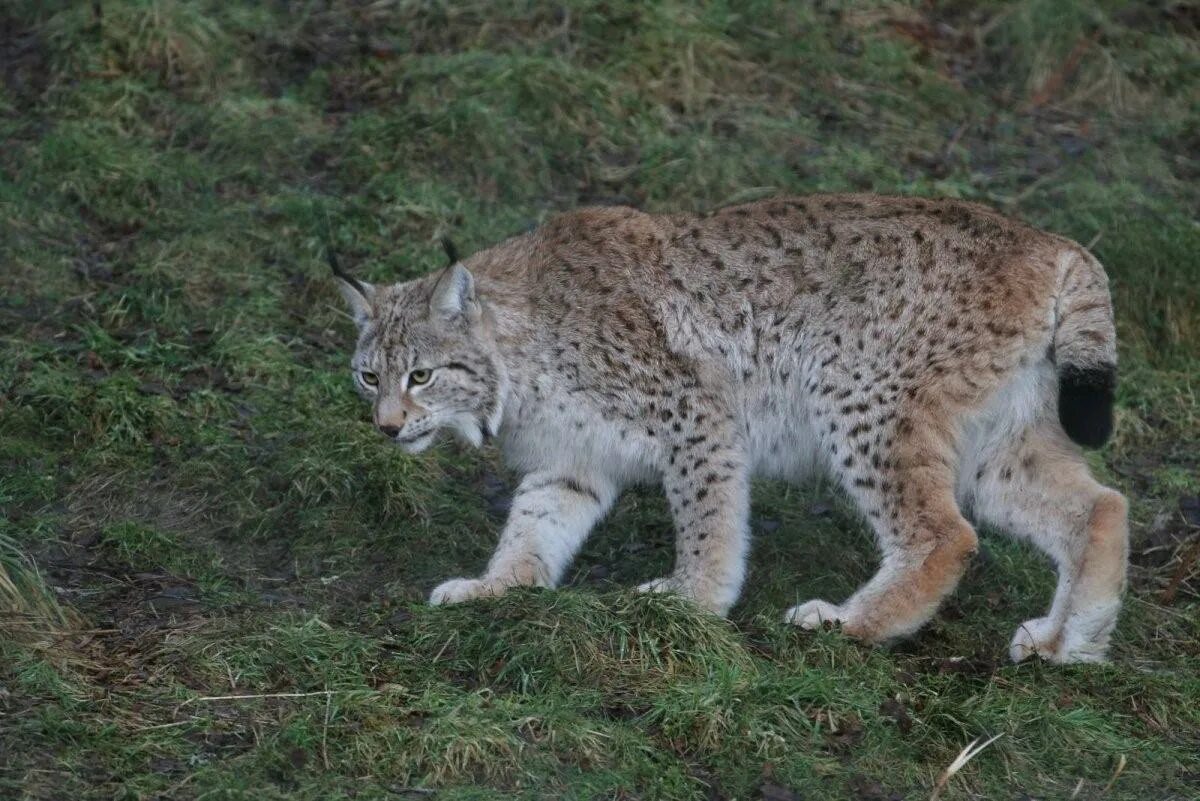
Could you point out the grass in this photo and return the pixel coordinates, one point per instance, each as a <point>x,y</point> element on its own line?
<point>195,506</point>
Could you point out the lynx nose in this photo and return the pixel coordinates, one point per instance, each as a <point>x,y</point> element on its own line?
<point>390,415</point>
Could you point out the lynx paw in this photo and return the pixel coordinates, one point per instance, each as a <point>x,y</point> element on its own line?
<point>812,614</point>
<point>1040,636</point>
<point>458,590</point>
<point>667,584</point>
<point>713,602</point>
<point>1083,638</point>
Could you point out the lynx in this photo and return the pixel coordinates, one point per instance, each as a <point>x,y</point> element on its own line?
<point>942,362</point>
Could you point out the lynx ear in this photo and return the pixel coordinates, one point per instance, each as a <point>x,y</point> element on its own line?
<point>454,294</point>
<point>358,295</point>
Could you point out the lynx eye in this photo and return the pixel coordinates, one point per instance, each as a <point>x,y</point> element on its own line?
<point>418,377</point>
<point>368,378</point>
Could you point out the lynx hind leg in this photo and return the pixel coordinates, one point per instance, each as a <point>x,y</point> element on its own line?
<point>902,478</point>
<point>1036,486</point>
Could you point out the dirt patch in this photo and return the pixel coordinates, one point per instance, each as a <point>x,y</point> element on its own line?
<point>864,788</point>
<point>1165,559</point>
<point>116,497</point>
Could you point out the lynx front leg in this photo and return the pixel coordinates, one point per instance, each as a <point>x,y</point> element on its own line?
<point>551,516</point>
<point>707,486</point>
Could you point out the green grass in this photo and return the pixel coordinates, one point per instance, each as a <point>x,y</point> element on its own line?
<point>195,505</point>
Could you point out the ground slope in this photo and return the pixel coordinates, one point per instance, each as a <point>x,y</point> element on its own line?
<point>195,505</point>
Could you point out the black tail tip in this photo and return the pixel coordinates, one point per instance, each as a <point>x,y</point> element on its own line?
<point>1085,403</point>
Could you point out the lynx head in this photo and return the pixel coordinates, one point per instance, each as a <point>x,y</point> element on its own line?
<point>426,357</point>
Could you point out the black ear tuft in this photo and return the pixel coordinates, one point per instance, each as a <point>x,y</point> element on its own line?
<point>1085,403</point>
<point>451,251</point>
<point>342,274</point>
<point>358,295</point>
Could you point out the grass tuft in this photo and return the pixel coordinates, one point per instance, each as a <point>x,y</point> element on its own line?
<point>26,603</point>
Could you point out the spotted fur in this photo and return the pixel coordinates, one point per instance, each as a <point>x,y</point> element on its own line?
<point>910,348</point>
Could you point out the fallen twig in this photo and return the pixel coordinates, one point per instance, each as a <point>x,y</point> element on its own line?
<point>1121,762</point>
<point>964,756</point>
<point>250,696</point>
<point>325,730</point>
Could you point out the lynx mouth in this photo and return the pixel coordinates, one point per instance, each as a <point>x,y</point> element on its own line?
<point>415,443</point>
